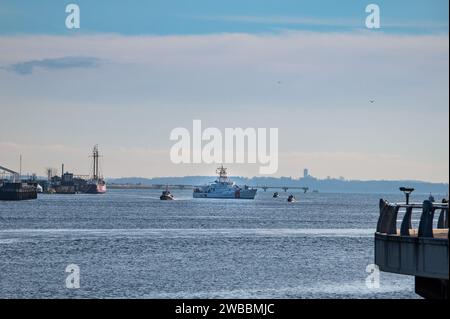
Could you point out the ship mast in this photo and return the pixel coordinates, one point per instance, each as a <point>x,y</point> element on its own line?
<point>222,171</point>
<point>95,169</point>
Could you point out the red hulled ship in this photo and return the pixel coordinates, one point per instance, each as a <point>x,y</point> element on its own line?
<point>96,184</point>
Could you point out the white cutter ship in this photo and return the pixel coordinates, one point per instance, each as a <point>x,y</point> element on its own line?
<point>223,187</point>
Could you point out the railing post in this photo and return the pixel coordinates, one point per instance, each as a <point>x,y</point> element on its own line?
<point>392,220</point>
<point>406,222</point>
<point>387,222</point>
<point>426,220</point>
<point>443,219</point>
<point>382,205</point>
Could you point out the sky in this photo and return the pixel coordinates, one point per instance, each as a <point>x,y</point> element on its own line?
<point>135,70</point>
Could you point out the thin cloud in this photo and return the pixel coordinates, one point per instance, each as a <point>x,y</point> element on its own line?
<point>288,20</point>
<point>70,62</point>
<point>343,23</point>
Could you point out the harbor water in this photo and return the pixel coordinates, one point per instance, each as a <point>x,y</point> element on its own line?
<point>130,244</point>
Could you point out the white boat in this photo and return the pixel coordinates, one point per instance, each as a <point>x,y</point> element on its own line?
<point>223,187</point>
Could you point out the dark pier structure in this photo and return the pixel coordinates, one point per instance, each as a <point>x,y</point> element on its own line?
<point>422,252</point>
<point>15,189</point>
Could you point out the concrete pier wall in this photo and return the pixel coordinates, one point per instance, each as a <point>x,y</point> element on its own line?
<point>421,252</point>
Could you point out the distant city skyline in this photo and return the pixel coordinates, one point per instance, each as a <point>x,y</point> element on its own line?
<point>347,101</point>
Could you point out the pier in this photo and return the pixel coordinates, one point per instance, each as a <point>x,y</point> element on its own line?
<point>284,188</point>
<point>14,189</point>
<point>183,186</point>
<point>421,252</point>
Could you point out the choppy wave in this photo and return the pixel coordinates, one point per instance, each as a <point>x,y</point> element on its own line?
<point>190,232</point>
<point>353,289</point>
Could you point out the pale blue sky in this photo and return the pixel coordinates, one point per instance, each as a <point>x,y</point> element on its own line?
<point>136,70</point>
<point>163,17</point>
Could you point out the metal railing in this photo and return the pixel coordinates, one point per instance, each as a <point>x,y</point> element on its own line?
<point>387,221</point>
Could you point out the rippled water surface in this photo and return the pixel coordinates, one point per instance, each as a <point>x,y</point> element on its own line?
<point>129,244</point>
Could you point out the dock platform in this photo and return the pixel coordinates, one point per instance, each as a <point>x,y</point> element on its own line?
<point>422,252</point>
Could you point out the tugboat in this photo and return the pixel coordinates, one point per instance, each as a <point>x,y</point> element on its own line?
<point>166,195</point>
<point>223,187</point>
<point>291,198</point>
<point>276,195</point>
<point>96,185</point>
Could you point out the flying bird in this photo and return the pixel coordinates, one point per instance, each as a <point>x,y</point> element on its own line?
<point>372,101</point>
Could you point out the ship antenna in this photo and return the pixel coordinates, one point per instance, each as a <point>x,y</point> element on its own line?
<point>95,168</point>
<point>222,171</point>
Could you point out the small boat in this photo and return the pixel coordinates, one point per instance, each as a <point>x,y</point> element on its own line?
<point>166,195</point>
<point>276,195</point>
<point>291,198</point>
<point>39,188</point>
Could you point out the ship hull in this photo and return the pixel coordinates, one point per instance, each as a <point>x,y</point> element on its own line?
<point>95,189</point>
<point>16,192</point>
<point>67,190</point>
<point>242,194</point>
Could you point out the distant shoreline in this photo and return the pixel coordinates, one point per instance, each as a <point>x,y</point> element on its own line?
<point>313,184</point>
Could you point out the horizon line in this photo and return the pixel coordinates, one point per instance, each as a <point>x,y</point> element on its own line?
<point>290,177</point>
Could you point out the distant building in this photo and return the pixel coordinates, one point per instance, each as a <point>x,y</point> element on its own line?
<point>305,173</point>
